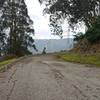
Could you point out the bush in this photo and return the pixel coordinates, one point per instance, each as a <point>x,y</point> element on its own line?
<point>93,34</point>
<point>78,36</point>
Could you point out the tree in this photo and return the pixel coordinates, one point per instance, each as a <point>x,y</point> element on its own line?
<point>3,36</point>
<point>55,25</point>
<point>93,33</point>
<point>15,19</point>
<point>2,41</point>
<point>74,10</point>
<point>79,37</point>
<point>1,3</point>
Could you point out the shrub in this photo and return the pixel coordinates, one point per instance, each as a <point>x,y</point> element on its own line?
<point>78,36</point>
<point>93,34</point>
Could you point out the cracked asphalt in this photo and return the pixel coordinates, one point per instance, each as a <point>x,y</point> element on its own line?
<point>45,78</point>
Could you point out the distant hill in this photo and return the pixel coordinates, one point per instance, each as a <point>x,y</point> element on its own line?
<point>53,45</point>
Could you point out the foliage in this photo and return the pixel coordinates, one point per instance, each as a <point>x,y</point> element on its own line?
<point>55,25</point>
<point>2,42</point>
<point>74,10</point>
<point>1,3</point>
<point>78,36</point>
<point>93,34</point>
<point>17,23</point>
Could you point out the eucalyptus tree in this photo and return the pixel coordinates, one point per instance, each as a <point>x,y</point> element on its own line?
<point>19,26</point>
<point>74,10</point>
<point>2,40</point>
<point>56,24</point>
<point>2,33</point>
<point>1,3</point>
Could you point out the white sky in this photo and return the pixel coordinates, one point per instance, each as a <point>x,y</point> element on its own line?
<point>42,30</point>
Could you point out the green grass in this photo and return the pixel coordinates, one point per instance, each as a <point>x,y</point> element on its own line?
<point>6,62</point>
<point>81,58</point>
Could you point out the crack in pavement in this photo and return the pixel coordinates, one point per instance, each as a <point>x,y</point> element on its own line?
<point>11,77</point>
<point>48,79</point>
<point>58,75</point>
<point>13,82</point>
<point>78,89</point>
<point>9,95</point>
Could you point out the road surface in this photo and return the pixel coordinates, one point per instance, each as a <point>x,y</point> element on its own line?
<point>45,78</point>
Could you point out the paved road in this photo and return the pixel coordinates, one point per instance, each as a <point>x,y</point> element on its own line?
<point>44,78</point>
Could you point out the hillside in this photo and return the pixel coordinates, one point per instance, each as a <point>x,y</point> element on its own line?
<point>84,46</point>
<point>53,45</point>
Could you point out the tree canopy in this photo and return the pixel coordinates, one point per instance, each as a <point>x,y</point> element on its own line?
<point>74,10</point>
<point>1,3</point>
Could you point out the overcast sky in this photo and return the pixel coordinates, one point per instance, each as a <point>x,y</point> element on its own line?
<point>42,30</point>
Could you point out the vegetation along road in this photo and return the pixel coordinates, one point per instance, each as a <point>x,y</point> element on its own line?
<point>45,78</point>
